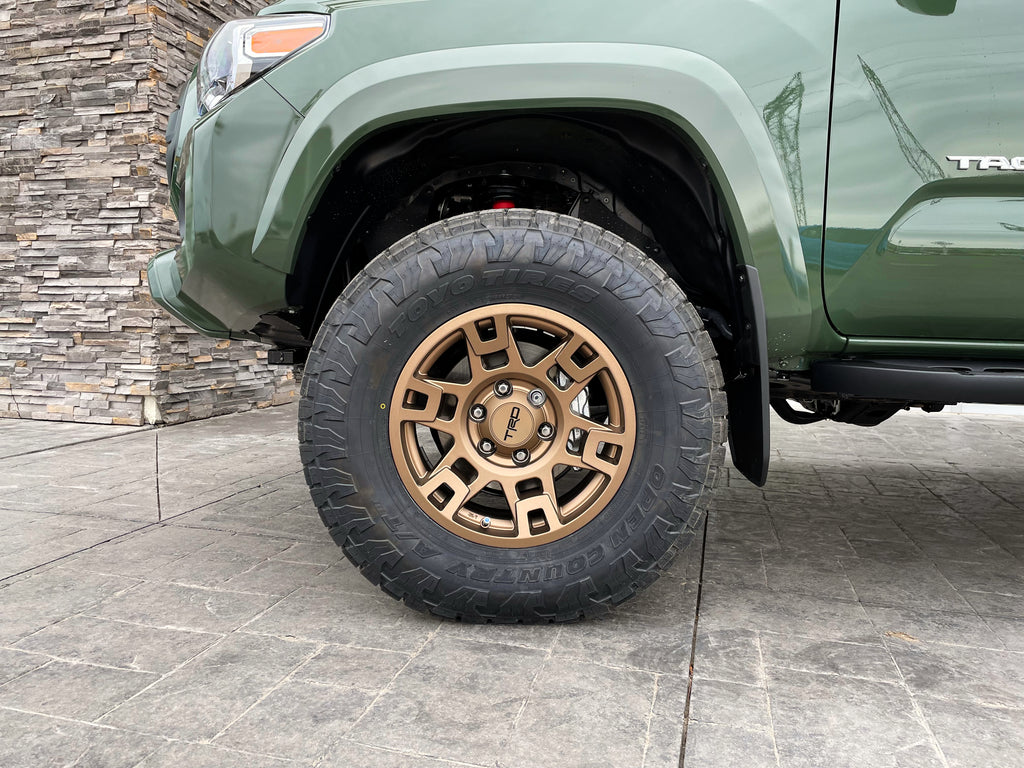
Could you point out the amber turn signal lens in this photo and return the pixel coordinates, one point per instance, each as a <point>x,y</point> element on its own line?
<point>277,42</point>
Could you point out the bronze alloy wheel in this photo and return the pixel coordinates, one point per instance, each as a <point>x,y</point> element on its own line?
<point>512,425</point>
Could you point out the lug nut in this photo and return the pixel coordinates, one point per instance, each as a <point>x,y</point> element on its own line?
<point>521,457</point>
<point>537,397</point>
<point>486,447</point>
<point>502,388</point>
<point>478,412</point>
<point>545,431</point>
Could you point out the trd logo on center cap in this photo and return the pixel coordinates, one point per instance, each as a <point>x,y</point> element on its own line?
<point>513,419</point>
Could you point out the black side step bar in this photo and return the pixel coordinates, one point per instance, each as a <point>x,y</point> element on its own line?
<point>927,381</point>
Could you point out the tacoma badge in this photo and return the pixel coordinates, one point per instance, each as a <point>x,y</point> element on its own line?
<point>987,163</point>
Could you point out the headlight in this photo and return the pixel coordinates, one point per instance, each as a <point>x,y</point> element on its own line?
<point>243,49</point>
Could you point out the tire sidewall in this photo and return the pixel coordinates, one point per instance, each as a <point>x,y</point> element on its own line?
<point>421,286</point>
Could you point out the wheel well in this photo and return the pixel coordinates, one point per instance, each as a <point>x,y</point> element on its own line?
<point>634,174</point>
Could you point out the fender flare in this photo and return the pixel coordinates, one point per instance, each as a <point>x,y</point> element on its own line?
<point>692,92</point>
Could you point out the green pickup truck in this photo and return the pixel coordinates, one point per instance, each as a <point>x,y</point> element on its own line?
<point>542,260</point>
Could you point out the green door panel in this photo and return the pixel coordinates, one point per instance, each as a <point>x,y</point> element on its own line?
<point>973,227</point>
<point>746,81</point>
<point>918,245</point>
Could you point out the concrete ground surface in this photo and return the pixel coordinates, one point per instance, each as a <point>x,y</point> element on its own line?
<point>169,597</point>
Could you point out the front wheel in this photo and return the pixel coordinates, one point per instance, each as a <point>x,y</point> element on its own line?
<point>512,416</point>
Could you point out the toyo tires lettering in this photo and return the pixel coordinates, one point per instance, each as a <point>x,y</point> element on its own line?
<point>418,307</point>
<point>434,298</point>
<point>560,283</point>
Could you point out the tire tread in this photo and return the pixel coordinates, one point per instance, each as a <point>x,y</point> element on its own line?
<point>392,277</point>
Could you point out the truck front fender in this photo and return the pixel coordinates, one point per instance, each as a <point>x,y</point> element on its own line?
<point>691,91</point>
<point>695,94</point>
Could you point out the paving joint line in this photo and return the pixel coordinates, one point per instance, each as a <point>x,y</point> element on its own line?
<point>410,753</point>
<point>85,615</point>
<point>529,691</point>
<point>918,712</point>
<point>144,527</point>
<point>136,430</point>
<point>81,611</point>
<point>27,671</point>
<point>312,654</point>
<point>216,644</point>
<point>416,653</point>
<point>66,719</point>
<point>693,642</point>
<point>156,462</point>
<point>75,662</point>
<point>902,682</point>
<point>326,643</point>
<point>767,698</point>
<point>285,761</point>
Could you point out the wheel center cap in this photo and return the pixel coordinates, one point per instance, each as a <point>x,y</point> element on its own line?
<point>512,424</point>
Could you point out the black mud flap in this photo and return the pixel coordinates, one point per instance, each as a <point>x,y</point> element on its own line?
<point>749,430</point>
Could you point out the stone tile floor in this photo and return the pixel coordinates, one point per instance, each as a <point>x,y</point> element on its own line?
<point>866,608</point>
<point>169,597</point>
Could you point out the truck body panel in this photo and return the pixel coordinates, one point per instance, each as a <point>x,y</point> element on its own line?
<point>753,97</point>
<point>923,242</point>
<point>921,254</point>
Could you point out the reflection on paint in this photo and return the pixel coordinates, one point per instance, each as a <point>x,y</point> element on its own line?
<point>924,165</point>
<point>782,116</point>
<point>944,265</point>
<point>972,227</point>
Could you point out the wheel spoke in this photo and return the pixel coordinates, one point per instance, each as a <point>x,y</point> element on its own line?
<point>424,398</point>
<point>508,487</point>
<point>444,466</point>
<point>421,402</point>
<point>603,447</point>
<point>542,366</point>
<point>603,450</point>
<point>491,336</point>
<point>553,513</point>
<point>454,388</point>
<point>446,490</point>
<point>546,503</point>
<point>488,335</point>
<point>569,395</point>
<point>579,361</point>
<point>443,477</point>
<point>581,372</point>
<point>576,421</point>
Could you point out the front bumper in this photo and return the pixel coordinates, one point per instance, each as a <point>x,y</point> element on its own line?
<point>165,287</point>
<point>221,168</point>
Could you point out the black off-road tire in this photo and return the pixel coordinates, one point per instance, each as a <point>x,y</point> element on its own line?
<point>542,259</point>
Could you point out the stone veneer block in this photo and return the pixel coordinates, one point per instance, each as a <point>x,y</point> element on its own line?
<point>85,91</point>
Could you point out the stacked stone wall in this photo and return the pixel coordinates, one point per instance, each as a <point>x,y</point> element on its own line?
<point>85,91</point>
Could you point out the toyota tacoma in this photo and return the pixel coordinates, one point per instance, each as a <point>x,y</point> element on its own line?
<point>542,261</point>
